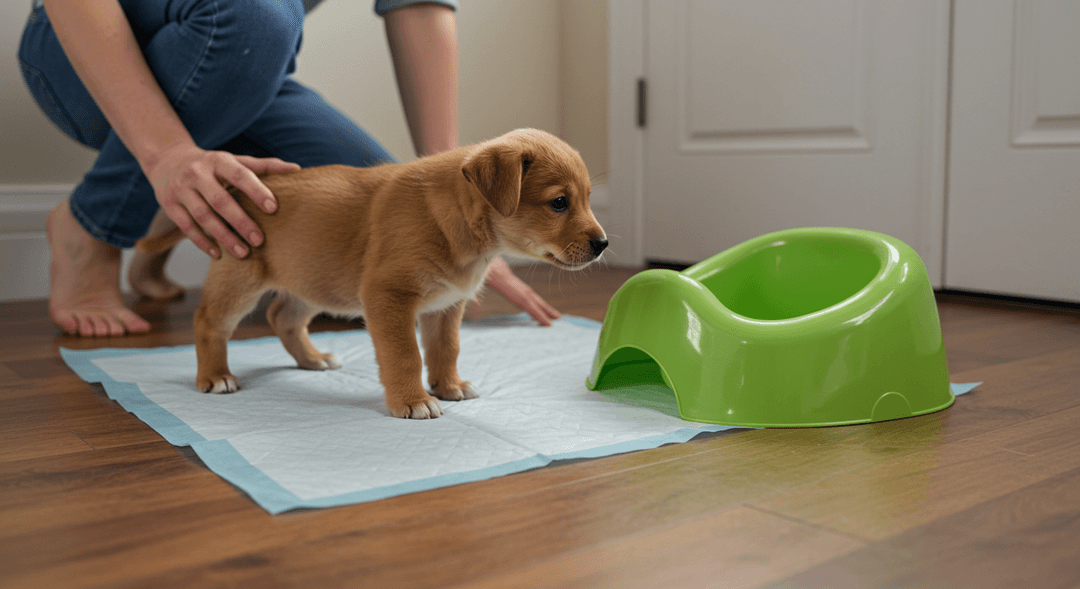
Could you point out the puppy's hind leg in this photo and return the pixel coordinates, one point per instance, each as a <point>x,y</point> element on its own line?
<point>229,294</point>
<point>439,333</point>
<point>289,316</point>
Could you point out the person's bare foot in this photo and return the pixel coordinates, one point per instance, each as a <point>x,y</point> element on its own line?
<point>84,278</point>
<point>146,272</point>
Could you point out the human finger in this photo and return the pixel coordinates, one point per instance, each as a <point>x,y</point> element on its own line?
<point>235,171</point>
<point>503,279</point>
<point>267,165</point>
<point>525,297</point>
<point>538,308</point>
<point>551,312</point>
<point>538,315</point>
<point>187,225</point>
<point>221,218</point>
<point>473,310</point>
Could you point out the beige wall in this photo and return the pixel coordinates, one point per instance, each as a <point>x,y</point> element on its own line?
<point>32,150</point>
<point>522,63</point>
<point>583,81</point>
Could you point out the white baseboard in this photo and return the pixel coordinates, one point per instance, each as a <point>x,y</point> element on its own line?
<point>24,249</point>
<point>24,207</point>
<point>24,266</point>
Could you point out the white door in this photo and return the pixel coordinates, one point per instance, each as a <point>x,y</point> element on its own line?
<point>770,114</point>
<point>1014,180</point>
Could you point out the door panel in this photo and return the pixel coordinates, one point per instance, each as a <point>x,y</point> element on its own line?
<point>745,86</point>
<point>1014,182</point>
<point>772,114</point>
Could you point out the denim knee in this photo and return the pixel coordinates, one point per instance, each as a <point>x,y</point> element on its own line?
<point>221,62</point>
<point>54,85</point>
<point>267,34</point>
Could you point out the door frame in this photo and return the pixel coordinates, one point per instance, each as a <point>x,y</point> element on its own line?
<point>627,47</point>
<point>626,140</point>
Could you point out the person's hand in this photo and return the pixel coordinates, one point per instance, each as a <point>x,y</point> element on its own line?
<point>186,182</point>
<point>502,279</point>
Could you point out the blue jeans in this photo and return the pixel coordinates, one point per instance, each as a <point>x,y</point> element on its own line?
<point>225,66</point>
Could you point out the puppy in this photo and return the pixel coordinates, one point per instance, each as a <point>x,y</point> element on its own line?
<point>397,244</point>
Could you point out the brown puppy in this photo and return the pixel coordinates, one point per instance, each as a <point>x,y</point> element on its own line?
<point>397,243</point>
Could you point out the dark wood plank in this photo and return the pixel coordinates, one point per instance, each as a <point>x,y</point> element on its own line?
<point>737,547</point>
<point>69,404</point>
<point>45,496</point>
<point>1015,333</point>
<point>19,441</point>
<point>1029,538</point>
<point>8,376</point>
<point>900,493</point>
<point>32,423</point>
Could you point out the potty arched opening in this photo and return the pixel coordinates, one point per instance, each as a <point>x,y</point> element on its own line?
<point>633,376</point>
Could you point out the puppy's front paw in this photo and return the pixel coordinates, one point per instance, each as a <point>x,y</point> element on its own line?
<point>320,362</point>
<point>449,391</point>
<point>222,383</point>
<point>426,407</point>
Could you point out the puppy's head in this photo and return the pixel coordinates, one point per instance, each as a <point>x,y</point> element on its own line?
<point>539,188</point>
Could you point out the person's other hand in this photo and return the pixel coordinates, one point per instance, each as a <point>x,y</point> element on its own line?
<point>186,181</point>
<point>502,279</point>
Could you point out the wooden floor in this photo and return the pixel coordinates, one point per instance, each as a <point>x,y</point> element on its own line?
<point>984,494</point>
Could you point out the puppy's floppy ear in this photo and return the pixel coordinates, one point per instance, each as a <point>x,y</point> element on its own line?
<point>495,170</point>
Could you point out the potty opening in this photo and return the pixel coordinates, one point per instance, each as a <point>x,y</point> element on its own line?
<point>793,278</point>
<point>631,376</point>
<point>630,366</point>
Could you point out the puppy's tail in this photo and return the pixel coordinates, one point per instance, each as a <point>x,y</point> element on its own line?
<point>157,243</point>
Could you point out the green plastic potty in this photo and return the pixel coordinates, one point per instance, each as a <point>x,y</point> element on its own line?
<point>798,328</point>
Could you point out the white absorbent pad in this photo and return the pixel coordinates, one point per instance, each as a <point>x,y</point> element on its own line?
<point>293,438</point>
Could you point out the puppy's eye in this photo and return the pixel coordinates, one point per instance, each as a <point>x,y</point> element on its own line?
<point>560,204</point>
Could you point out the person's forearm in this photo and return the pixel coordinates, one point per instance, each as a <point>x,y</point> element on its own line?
<point>101,46</point>
<point>423,43</point>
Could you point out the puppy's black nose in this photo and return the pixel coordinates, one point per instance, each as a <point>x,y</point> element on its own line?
<point>598,245</point>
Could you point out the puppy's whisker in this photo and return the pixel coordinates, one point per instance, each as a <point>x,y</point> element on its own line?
<point>532,268</point>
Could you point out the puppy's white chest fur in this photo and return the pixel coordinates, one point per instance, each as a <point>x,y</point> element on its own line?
<point>451,291</point>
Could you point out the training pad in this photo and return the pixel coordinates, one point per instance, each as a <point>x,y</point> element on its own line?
<point>293,438</point>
